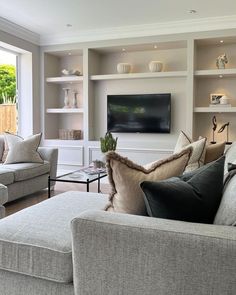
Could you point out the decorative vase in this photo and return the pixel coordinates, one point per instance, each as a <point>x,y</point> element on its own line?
<point>123,68</point>
<point>75,103</point>
<point>66,98</point>
<point>155,66</point>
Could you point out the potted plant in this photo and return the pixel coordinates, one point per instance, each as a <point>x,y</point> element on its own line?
<point>107,143</point>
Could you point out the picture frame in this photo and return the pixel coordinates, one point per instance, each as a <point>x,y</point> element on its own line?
<point>215,98</point>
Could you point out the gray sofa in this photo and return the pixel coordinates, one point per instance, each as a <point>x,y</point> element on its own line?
<point>23,179</point>
<point>67,245</point>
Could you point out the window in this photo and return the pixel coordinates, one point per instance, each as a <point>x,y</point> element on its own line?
<point>8,92</point>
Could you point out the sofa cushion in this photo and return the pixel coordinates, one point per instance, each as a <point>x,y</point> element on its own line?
<point>230,156</point>
<point>6,176</point>
<point>23,150</point>
<point>125,177</point>
<point>36,241</point>
<point>23,171</point>
<point>197,158</point>
<point>193,198</point>
<point>214,152</point>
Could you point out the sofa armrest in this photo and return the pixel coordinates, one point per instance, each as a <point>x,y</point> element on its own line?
<point>50,155</point>
<point>127,254</point>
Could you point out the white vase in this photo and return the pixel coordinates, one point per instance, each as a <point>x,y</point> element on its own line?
<point>123,68</point>
<point>66,98</point>
<point>155,66</point>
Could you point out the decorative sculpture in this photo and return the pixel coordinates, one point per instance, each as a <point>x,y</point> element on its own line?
<point>213,129</point>
<point>222,128</point>
<point>75,102</point>
<point>221,61</point>
<point>66,98</point>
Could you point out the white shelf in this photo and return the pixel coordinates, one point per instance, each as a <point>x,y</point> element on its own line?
<point>65,79</point>
<point>64,111</point>
<point>139,75</point>
<point>215,73</point>
<point>215,110</point>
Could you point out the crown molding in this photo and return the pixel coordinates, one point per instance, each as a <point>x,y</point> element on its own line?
<point>164,28</point>
<point>18,31</point>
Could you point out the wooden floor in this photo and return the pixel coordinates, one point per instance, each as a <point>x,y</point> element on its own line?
<point>40,196</point>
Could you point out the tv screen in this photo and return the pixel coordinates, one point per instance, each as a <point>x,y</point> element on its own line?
<point>144,113</point>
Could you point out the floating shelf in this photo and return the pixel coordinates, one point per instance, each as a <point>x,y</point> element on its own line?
<point>215,110</point>
<point>65,79</point>
<point>139,75</point>
<point>64,111</point>
<point>216,73</point>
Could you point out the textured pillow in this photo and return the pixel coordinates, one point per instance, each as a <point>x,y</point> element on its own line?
<point>197,158</point>
<point>226,214</point>
<point>194,200</point>
<point>214,152</point>
<point>125,177</point>
<point>22,150</point>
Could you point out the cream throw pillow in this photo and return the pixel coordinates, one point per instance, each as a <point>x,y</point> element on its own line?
<point>22,150</point>
<point>198,153</point>
<point>126,176</point>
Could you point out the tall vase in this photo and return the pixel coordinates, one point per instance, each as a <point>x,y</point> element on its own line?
<point>75,102</point>
<point>66,98</point>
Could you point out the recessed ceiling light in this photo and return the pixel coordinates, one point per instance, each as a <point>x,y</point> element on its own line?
<point>221,41</point>
<point>192,11</point>
<point>123,49</point>
<point>155,46</point>
<point>221,76</point>
<point>69,25</point>
<point>69,53</point>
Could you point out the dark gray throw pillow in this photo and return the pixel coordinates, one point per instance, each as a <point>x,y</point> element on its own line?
<point>194,197</point>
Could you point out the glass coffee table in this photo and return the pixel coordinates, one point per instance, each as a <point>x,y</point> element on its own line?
<point>83,176</point>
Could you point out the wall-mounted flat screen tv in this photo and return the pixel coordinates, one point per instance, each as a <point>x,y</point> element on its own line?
<point>144,113</point>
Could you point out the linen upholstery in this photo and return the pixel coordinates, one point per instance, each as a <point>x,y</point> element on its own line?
<point>138,255</point>
<point>125,177</point>
<point>6,176</point>
<point>22,150</point>
<point>36,241</point>
<point>23,171</point>
<point>18,284</point>
<point>226,214</point>
<point>230,156</point>
<point>3,199</point>
<point>1,147</point>
<point>198,150</point>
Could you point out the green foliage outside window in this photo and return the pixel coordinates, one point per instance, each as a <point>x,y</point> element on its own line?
<point>7,84</point>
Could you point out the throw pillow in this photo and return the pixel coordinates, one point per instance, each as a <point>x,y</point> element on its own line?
<point>197,158</point>
<point>22,150</point>
<point>195,199</point>
<point>214,152</point>
<point>125,177</point>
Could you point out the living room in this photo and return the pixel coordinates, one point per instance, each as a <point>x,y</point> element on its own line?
<point>80,66</point>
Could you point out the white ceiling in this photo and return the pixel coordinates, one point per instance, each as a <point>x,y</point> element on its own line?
<point>49,17</point>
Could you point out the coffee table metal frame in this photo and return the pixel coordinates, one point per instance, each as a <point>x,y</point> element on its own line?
<point>87,179</point>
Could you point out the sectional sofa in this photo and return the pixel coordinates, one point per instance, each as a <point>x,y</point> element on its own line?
<point>23,179</point>
<point>68,245</point>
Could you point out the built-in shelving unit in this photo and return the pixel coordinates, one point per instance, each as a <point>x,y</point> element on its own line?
<point>173,74</point>
<point>65,111</point>
<point>216,73</point>
<point>189,73</point>
<point>65,79</point>
<point>218,109</point>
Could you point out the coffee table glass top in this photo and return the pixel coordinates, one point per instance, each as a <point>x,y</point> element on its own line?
<point>82,175</point>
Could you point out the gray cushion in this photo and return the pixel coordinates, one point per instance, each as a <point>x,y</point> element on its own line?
<point>3,194</point>
<point>23,171</point>
<point>226,214</point>
<point>6,176</point>
<point>230,156</point>
<point>36,241</point>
